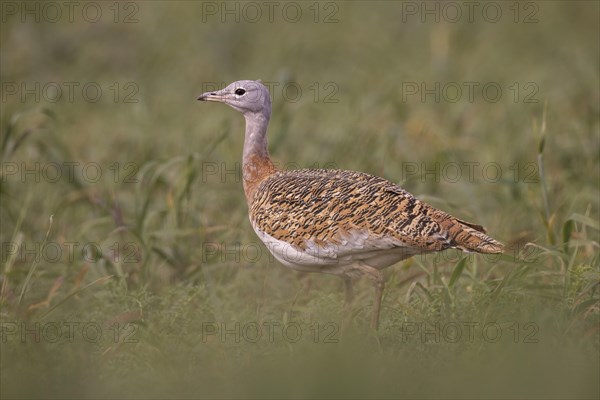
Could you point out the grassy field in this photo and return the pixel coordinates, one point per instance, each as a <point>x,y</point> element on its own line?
<point>129,268</point>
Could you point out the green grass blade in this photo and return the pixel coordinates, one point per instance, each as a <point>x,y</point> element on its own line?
<point>458,269</point>
<point>35,263</point>
<point>587,221</point>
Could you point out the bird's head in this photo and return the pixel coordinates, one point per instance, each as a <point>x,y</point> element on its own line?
<point>248,97</point>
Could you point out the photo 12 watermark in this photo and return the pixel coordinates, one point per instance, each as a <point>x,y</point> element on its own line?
<point>467,332</point>
<point>70,92</point>
<point>223,172</point>
<point>492,12</point>
<point>470,171</point>
<point>67,332</point>
<point>469,92</point>
<point>52,12</point>
<point>269,332</point>
<point>68,252</point>
<point>292,12</point>
<point>89,172</point>
<point>290,92</point>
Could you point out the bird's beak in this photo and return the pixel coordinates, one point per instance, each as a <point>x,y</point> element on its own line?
<point>211,96</point>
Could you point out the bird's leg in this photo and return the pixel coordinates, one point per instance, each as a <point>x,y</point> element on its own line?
<point>379,286</point>
<point>378,280</point>
<point>347,313</point>
<point>349,291</point>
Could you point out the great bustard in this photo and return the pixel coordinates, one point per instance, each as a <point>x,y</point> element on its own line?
<point>333,221</point>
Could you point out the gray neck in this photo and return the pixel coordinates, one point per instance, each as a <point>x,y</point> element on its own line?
<point>255,142</point>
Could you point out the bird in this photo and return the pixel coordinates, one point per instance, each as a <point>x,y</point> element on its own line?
<point>333,221</point>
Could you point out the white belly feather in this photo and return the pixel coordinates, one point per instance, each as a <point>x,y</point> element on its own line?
<point>337,258</point>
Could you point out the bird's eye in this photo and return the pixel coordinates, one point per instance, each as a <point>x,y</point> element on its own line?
<point>240,92</point>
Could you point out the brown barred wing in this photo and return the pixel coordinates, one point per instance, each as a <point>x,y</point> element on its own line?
<point>331,207</point>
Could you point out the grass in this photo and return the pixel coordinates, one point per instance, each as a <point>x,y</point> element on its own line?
<point>147,281</point>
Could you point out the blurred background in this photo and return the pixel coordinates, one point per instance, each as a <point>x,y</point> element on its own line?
<point>129,267</point>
